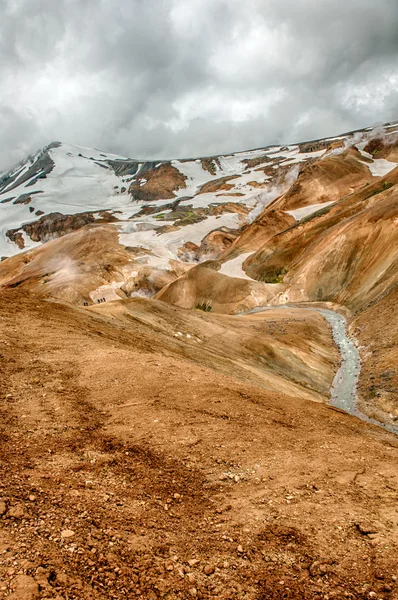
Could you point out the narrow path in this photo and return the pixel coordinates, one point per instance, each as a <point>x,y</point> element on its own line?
<point>343,393</point>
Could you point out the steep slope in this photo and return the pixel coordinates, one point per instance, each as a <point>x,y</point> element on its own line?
<point>376,328</point>
<point>346,254</point>
<point>204,288</point>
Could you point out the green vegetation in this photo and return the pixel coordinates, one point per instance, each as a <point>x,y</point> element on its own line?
<point>205,306</point>
<point>374,391</point>
<point>386,186</point>
<point>274,276</point>
<point>315,215</point>
<point>190,218</point>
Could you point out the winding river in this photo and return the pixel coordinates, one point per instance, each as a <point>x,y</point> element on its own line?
<point>343,393</point>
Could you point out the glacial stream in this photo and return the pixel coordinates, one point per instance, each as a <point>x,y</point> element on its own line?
<point>343,393</point>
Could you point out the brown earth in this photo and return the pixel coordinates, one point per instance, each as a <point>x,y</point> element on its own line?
<point>210,164</point>
<point>161,183</point>
<point>329,179</point>
<point>56,225</point>
<point>71,267</point>
<point>353,263</point>
<point>202,286</point>
<point>216,242</point>
<point>255,162</point>
<point>131,470</point>
<point>255,235</point>
<point>217,184</point>
<point>341,253</point>
<point>325,180</point>
<point>386,147</point>
<point>376,328</point>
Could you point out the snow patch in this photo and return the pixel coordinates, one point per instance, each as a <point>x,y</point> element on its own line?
<point>381,167</point>
<point>233,267</point>
<point>164,247</point>
<point>306,211</point>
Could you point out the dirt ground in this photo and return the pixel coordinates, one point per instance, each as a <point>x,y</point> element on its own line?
<point>130,468</point>
<point>376,328</point>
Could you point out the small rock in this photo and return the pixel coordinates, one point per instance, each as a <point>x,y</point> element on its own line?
<point>62,579</point>
<point>240,549</point>
<point>67,533</point>
<point>236,478</point>
<point>317,568</point>
<point>3,508</point>
<point>366,527</point>
<point>32,497</point>
<point>193,562</point>
<point>208,570</point>
<point>193,592</point>
<point>17,511</point>
<point>26,588</point>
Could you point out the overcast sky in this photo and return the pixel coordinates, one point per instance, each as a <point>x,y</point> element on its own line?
<point>174,78</point>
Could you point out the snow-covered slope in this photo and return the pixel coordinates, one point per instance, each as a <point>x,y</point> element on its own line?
<point>159,206</point>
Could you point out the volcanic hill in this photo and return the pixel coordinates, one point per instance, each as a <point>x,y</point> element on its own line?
<point>162,438</point>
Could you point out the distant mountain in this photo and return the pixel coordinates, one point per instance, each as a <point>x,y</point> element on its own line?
<point>98,225</point>
<point>69,180</point>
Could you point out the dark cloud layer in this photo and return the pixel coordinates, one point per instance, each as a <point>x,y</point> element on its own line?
<point>162,78</point>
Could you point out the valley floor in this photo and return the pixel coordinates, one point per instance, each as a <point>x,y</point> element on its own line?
<point>133,467</point>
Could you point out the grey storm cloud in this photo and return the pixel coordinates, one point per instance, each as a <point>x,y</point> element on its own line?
<point>182,78</point>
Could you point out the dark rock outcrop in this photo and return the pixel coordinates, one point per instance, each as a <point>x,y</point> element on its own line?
<point>56,225</point>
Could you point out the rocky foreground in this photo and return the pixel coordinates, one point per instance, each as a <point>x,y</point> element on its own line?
<point>132,469</point>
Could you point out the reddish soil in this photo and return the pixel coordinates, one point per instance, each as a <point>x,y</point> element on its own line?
<point>158,183</point>
<point>129,470</point>
<point>377,331</point>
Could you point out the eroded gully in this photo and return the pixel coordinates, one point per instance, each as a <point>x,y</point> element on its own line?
<point>343,393</point>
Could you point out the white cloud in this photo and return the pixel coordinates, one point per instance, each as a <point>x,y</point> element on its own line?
<point>162,78</point>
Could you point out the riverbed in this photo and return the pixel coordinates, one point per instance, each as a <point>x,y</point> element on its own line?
<point>343,392</point>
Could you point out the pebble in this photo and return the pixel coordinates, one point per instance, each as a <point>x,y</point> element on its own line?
<point>208,570</point>
<point>193,562</point>
<point>26,587</point>
<point>3,507</point>
<point>16,511</point>
<point>67,533</point>
<point>240,549</point>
